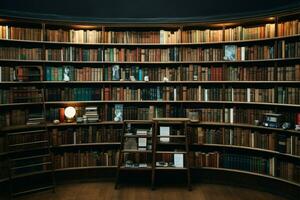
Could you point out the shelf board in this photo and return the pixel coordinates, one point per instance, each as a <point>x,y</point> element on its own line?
<point>31,174</point>
<point>31,165</point>
<point>148,62</point>
<point>19,127</point>
<point>242,126</point>
<point>4,180</point>
<point>148,44</point>
<point>148,168</point>
<point>26,150</point>
<point>138,121</point>
<point>171,120</point>
<point>170,152</point>
<point>248,148</point>
<point>3,154</point>
<point>171,168</point>
<point>136,151</point>
<point>154,82</point>
<point>28,143</point>
<point>33,190</point>
<point>87,145</point>
<point>26,132</point>
<point>170,143</point>
<point>138,136</point>
<point>85,168</point>
<point>52,125</point>
<point>249,173</point>
<point>31,157</point>
<point>21,104</point>
<point>171,136</point>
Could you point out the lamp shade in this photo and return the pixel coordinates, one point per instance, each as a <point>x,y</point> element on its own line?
<point>70,112</point>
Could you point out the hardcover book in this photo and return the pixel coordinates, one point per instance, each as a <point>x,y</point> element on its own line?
<point>118,112</point>
<point>116,73</point>
<point>230,52</point>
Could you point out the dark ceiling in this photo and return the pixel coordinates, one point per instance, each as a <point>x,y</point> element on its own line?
<point>82,10</point>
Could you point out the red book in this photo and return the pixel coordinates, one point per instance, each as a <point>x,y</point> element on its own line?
<point>298,119</point>
<point>61,115</point>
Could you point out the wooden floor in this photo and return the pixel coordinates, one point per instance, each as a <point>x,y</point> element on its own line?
<point>105,190</point>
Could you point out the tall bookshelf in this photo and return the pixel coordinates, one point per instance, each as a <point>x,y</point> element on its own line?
<point>157,71</point>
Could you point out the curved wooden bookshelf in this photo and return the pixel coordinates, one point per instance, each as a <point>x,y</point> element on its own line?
<point>44,44</point>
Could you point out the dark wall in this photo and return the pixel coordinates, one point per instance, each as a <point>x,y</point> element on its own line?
<point>140,8</point>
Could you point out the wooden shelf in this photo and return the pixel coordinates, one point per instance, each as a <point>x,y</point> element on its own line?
<point>171,119</point>
<point>137,136</point>
<point>31,165</point>
<point>51,125</point>
<point>249,173</point>
<point>86,145</point>
<point>85,168</point>
<point>171,136</point>
<point>33,190</point>
<point>136,151</point>
<point>148,168</point>
<point>243,126</point>
<point>171,168</point>
<point>28,143</point>
<point>31,174</point>
<point>4,180</point>
<point>152,82</point>
<point>31,157</point>
<point>148,62</point>
<point>248,148</point>
<point>171,152</point>
<point>147,44</point>
<point>20,127</point>
<point>21,104</point>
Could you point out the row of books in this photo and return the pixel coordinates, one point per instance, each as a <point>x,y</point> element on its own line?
<point>24,166</point>
<point>21,73</point>
<point>20,95</point>
<point>250,33</point>
<point>285,95</point>
<point>85,159</point>
<point>24,116</point>
<point>229,52</point>
<point>20,53</point>
<point>247,138</point>
<point>289,28</point>
<point>138,73</point>
<point>74,36</point>
<point>108,112</point>
<point>113,54</point>
<point>159,36</point>
<point>233,161</point>
<point>18,139</point>
<point>81,135</point>
<point>20,33</point>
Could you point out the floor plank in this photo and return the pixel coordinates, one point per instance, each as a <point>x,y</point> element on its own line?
<point>106,191</point>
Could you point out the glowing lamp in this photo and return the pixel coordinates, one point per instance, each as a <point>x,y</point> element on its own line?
<point>70,113</point>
